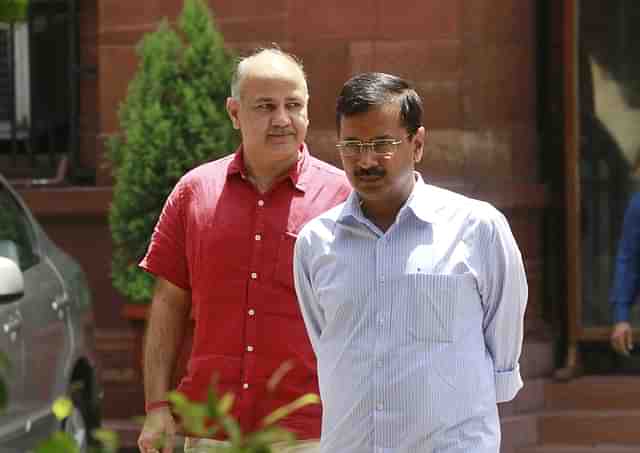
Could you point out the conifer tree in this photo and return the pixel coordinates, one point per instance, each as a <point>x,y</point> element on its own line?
<point>172,119</point>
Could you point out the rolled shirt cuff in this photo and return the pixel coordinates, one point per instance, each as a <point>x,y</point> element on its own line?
<point>508,383</point>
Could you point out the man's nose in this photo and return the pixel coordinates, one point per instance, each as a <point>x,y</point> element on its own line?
<point>367,158</point>
<point>281,116</point>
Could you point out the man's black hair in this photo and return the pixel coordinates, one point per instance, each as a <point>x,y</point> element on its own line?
<point>369,90</point>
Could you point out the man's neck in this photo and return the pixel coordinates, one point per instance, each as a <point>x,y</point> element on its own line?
<point>264,175</point>
<point>381,216</point>
<point>384,213</point>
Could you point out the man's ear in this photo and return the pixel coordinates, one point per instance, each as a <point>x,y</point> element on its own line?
<point>233,106</point>
<point>419,141</point>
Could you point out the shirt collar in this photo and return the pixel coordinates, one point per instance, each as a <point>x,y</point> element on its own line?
<point>421,202</point>
<point>298,173</point>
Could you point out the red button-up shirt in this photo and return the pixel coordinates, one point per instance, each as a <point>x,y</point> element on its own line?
<point>232,247</point>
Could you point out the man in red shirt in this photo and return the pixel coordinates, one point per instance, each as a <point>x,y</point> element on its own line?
<point>222,251</point>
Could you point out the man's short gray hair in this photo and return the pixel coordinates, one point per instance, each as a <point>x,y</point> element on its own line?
<point>240,68</point>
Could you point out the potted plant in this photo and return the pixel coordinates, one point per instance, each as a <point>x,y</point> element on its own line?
<point>172,119</point>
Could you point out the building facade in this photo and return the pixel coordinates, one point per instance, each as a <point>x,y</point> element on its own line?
<point>496,77</point>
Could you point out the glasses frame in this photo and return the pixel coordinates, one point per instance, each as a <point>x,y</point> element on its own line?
<point>371,145</point>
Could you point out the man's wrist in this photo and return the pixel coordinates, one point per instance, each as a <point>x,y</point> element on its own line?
<point>158,404</point>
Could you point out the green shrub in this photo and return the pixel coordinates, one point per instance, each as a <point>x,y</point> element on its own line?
<point>13,10</point>
<point>173,119</point>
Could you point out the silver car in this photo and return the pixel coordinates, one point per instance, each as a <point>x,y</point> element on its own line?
<point>46,330</point>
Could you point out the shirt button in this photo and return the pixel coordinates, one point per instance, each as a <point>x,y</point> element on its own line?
<point>245,386</point>
<point>258,237</point>
<point>251,312</point>
<point>379,406</point>
<point>382,279</point>
<point>250,348</point>
<point>254,275</point>
<point>381,321</point>
<point>260,203</point>
<point>379,363</point>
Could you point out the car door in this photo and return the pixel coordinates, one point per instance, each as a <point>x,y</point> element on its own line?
<point>13,238</point>
<point>44,311</point>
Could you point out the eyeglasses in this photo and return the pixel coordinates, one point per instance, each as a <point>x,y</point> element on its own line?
<point>380,147</point>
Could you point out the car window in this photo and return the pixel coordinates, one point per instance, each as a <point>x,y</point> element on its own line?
<point>17,239</point>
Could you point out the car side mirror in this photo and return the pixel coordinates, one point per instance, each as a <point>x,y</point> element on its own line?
<point>11,281</point>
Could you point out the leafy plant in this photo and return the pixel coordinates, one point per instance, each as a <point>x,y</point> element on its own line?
<point>62,442</point>
<point>13,10</point>
<point>172,119</point>
<point>199,419</point>
<point>207,419</point>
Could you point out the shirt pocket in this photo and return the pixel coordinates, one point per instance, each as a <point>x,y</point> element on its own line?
<point>284,260</point>
<point>433,299</point>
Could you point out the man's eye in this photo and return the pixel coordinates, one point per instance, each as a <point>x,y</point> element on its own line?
<point>294,105</point>
<point>264,107</point>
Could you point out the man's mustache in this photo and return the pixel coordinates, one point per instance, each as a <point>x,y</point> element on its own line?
<point>281,132</point>
<point>371,171</point>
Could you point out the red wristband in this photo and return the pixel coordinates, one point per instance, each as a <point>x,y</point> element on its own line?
<point>155,405</point>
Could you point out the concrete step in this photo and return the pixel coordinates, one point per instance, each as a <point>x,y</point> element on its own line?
<point>590,427</point>
<point>598,448</point>
<point>594,393</point>
<point>518,431</point>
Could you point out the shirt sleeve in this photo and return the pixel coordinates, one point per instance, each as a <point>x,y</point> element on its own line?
<point>312,314</point>
<point>504,291</point>
<point>166,256</point>
<point>626,278</point>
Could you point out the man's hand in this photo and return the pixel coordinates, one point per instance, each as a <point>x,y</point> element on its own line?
<point>622,338</point>
<point>158,432</point>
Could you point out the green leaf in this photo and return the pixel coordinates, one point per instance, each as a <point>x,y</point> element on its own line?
<point>5,365</point>
<point>269,436</point>
<point>62,408</point>
<point>194,416</point>
<point>278,374</point>
<point>108,440</point>
<point>282,412</point>
<point>59,442</point>
<point>226,403</point>
<point>13,10</point>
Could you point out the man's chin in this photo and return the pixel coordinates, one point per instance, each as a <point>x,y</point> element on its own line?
<point>281,139</point>
<point>286,146</point>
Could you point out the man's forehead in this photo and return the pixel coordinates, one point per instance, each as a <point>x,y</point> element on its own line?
<point>385,118</point>
<point>269,72</point>
<point>273,86</point>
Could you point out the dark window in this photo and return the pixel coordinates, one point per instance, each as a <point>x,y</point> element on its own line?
<point>17,238</point>
<point>38,92</point>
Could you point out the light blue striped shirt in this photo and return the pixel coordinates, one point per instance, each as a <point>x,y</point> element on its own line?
<point>417,330</point>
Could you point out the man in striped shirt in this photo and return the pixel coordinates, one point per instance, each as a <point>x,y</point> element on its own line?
<point>413,296</point>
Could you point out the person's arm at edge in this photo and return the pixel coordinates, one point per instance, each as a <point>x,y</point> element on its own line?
<point>165,333</point>
<point>504,300</point>
<point>626,278</point>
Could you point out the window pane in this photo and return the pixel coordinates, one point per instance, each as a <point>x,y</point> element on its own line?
<point>609,86</point>
<point>16,236</point>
